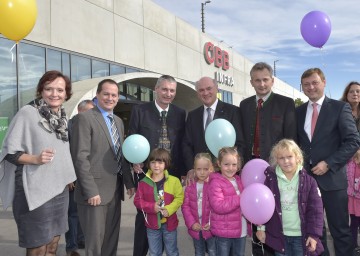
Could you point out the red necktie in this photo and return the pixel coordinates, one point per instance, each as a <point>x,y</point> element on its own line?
<point>256,146</point>
<point>314,118</point>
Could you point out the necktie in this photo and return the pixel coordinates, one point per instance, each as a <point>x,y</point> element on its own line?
<point>209,118</point>
<point>314,118</point>
<point>256,146</point>
<point>117,146</point>
<point>164,141</point>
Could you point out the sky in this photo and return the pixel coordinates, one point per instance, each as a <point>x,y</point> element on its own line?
<point>269,30</point>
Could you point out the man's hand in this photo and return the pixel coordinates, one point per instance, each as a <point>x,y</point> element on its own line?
<point>130,192</point>
<point>94,201</point>
<point>320,169</point>
<point>71,186</point>
<point>138,168</point>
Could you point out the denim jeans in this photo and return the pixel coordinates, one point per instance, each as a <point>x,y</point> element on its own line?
<point>74,234</point>
<point>293,246</point>
<point>200,246</point>
<point>226,245</point>
<point>158,237</point>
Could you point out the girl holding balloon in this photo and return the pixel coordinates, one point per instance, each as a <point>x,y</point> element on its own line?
<point>196,209</point>
<point>297,223</point>
<point>227,223</point>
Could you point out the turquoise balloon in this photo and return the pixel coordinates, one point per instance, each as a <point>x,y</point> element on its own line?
<point>219,133</point>
<point>136,148</point>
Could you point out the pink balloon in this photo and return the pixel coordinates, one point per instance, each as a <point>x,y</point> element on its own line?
<point>257,203</point>
<point>253,172</point>
<point>316,28</point>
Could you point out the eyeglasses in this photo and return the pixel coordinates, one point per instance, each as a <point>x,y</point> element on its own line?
<point>313,83</point>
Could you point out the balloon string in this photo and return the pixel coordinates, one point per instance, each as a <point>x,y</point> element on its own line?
<point>12,54</point>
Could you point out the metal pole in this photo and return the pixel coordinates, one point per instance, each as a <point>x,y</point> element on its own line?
<point>202,18</point>
<point>275,67</point>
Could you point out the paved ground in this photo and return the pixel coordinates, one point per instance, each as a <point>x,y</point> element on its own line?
<point>9,240</point>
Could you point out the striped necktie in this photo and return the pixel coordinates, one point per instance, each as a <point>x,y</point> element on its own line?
<point>117,146</point>
<point>164,141</point>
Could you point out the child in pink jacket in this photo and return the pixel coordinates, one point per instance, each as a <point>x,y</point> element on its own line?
<point>196,209</point>
<point>227,223</point>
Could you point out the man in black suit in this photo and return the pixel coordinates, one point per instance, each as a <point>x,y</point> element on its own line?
<point>273,115</point>
<point>194,140</point>
<point>328,136</point>
<point>146,120</point>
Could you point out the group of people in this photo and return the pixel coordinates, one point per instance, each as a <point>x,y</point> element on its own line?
<point>311,150</point>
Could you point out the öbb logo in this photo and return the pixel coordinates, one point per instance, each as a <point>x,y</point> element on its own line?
<point>214,54</point>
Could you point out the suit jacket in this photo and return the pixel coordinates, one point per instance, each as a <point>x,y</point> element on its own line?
<point>278,121</point>
<point>95,160</point>
<point>194,140</point>
<point>335,141</point>
<point>146,120</point>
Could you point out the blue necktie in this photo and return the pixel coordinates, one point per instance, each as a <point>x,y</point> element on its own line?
<point>117,146</point>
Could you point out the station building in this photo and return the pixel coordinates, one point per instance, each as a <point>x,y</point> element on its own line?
<point>131,41</point>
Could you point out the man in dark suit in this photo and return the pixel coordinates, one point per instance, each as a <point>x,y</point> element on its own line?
<point>328,136</point>
<point>146,120</point>
<point>101,171</point>
<point>265,119</point>
<point>213,108</point>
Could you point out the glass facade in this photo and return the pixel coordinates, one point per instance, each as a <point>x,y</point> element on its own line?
<point>22,65</point>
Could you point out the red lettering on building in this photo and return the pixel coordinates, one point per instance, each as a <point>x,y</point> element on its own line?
<point>217,56</point>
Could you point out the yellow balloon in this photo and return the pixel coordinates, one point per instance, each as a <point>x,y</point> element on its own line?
<point>17,18</point>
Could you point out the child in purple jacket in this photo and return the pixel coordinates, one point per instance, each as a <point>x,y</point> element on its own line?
<point>196,209</point>
<point>297,222</point>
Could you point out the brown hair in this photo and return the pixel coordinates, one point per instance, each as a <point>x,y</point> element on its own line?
<point>49,77</point>
<point>161,155</point>
<point>261,66</point>
<point>110,81</point>
<point>312,71</point>
<point>346,92</point>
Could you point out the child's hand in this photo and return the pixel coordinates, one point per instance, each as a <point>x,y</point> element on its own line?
<point>190,177</point>
<point>311,244</point>
<point>157,207</point>
<point>164,212</point>
<point>196,226</point>
<point>207,226</point>
<point>261,236</point>
<point>356,157</point>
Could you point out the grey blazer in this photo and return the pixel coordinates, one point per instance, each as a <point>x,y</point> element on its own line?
<point>94,159</point>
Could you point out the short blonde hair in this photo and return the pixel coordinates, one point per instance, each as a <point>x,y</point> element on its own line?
<point>286,144</point>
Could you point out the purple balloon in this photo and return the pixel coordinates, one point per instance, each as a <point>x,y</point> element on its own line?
<point>257,203</point>
<point>253,172</point>
<point>316,28</point>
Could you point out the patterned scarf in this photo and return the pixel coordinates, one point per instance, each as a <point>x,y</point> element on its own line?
<point>53,122</point>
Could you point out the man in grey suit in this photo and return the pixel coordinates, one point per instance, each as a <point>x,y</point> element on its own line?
<point>328,136</point>
<point>101,170</point>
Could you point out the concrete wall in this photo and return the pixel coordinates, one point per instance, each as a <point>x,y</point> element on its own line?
<point>141,34</point>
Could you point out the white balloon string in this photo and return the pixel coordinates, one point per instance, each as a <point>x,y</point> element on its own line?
<point>12,54</point>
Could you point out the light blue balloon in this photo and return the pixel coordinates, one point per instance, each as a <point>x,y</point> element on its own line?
<point>219,133</point>
<point>136,148</point>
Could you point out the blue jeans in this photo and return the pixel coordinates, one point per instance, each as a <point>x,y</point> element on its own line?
<point>226,245</point>
<point>293,246</point>
<point>200,246</point>
<point>158,237</point>
<point>74,234</point>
